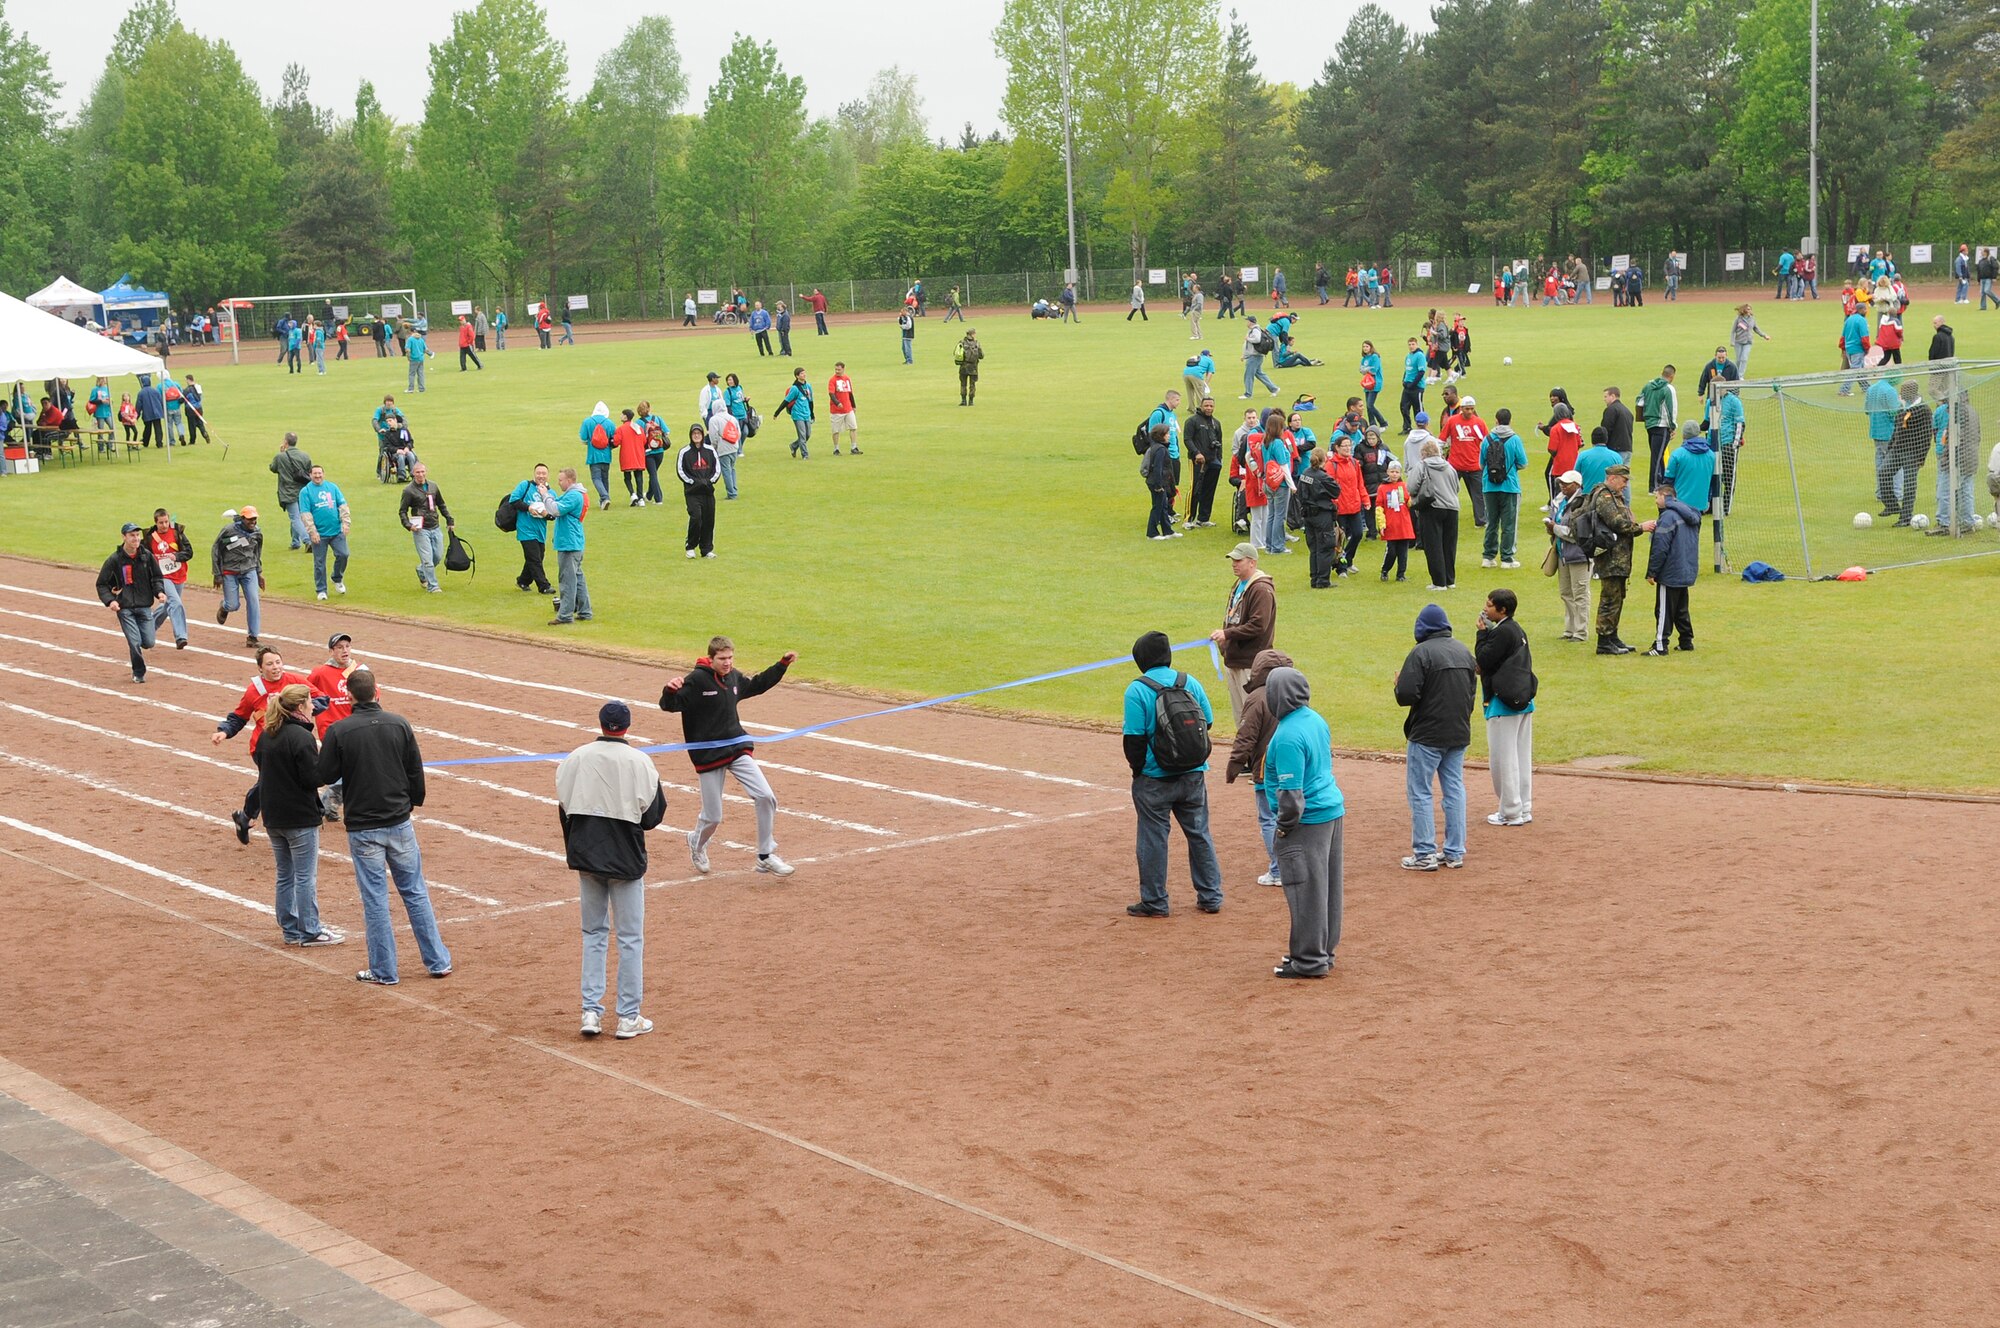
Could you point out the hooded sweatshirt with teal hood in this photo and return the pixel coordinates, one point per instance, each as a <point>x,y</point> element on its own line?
<point>1298,763</point>
<point>1691,469</point>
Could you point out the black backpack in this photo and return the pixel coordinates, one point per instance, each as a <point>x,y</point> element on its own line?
<point>507,517</point>
<point>1586,530</point>
<point>457,554</point>
<point>1263,343</point>
<point>1180,731</point>
<point>1142,437</point>
<point>1496,459</point>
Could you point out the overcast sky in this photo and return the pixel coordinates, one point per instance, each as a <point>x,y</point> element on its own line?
<point>835,48</point>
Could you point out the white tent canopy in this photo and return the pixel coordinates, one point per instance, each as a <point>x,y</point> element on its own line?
<point>65,299</point>
<point>35,345</point>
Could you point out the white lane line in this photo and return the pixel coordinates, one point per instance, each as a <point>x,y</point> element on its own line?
<point>595,698</point>
<point>939,757</point>
<point>741,1121</point>
<point>145,869</point>
<point>858,827</point>
<point>919,794</point>
<point>102,731</point>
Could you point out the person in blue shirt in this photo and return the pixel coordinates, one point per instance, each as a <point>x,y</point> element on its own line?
<point>1882,403</point>
<point>1196,375</point>
<point>1854,344</point>
<point>596,433</point>
<point>152,408</point>
<point>1311,813</point>
<point>533,502</point>
<point>328,519</point>
<point>1167,413</point>
<point>197,420</point>
<point>419,351</point>
<point>294,338</point>
<point>170,395</point>
<point>798,403</point>
<point>1371,371</point>
<point>499,329</point>
<point>1414,366</point>
<point>569,327</point>
<point>1502,454</point>
<point>760,326</point>
<point>572,592</point>
<point>1159,794</point>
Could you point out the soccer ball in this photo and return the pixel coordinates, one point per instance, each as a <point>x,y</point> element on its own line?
<point>1862,520</point>
<point>1506,359</point>
<point>1920,522</point>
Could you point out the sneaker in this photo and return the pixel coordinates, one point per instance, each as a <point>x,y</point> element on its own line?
<point>444,972</point>
<point>693,554</point>
<point>1497,819</point>
<point>340,587</point>
<point>635,501</point>
<point>1146,911</point>
<point>1453,863</point>
<point>222,615</point>
<point>242,824</point>
<point>180,643</point>
<point>773,865</point>
<point>252,643</point>
<point>325,937</point>
<point>1421,862</point>
<point>368,975</point>
<point>854,451</point>
<point>709,554</point>
<point>593,1023</point>
<point>1486,562</point>
<point>638,1025</point>
<point>1269,878</point>
<point>1511,562</point>
<point>1176,534</point>
<point>320,596</point>
<point>697,853</point>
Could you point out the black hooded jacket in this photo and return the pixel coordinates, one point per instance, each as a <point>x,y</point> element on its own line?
<point>706,703</point>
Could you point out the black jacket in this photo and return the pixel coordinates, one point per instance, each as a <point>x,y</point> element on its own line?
<point>1157,468</point>
<point>707,707</point>
<point>131,581</point>
<point>697,466</point>
<point>375,753</point>
<point>417,501</point>
<point>1319,493</point>
<point>1505,664</point>
<point>1944,344</point>
<point>288,776</point>
<point>1437,685</point>
<point>1618,426</point>
<point>1201,436</point>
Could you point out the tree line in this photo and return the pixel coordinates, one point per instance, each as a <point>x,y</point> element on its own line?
<point>1548,126</point>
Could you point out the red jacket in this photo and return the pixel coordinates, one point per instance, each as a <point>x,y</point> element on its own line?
<point>257,697</point>
<point>817,301</point>
<point>1889,336</point>
<point>1464,435</point>
<point>1346,472</point>
<point>464,335</point>
<point>1565,439</point>
<point>630,441</point>
<point>1394,498</point>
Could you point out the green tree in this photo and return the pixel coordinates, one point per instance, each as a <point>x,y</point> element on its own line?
<point>32,169</point>
<point>633,136</point>
<point>1239,141</point>
<point>889,114</point>
<point>750,194</point>
<point>339,227</point>
<point>1356,125</point>
<point>92,226</point>
<point>193,172</point>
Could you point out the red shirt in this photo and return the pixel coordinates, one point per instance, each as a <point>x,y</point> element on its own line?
<point>817,301</point>
<point>330,680</point>
<point>1464,435</point>
<point>257,697</point>
<point>166,552</point>
<point>840,394</point>
<point>631,444</point>
<point>1394,499</point>
<point>464,335</point>
<point>1565,439</point>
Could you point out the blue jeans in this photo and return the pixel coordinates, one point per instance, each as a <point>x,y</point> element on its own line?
<point>600,480</point>
<point>1986,293</point>
<point>176,430</point>
<point>430,552</point>
<point>378,855</point>
<point>172,611</point>
<point>1267,825</point>
<point>1503,514</point>
<point>728,464</point>
<point>1946,494</point>
<point>626,902</point>
<point>1448,767</point>
<point>298,521</point>
<point>244,584</point>
<point>907,357</point>
<point>416,376</point>
<point>1274,521</point>
<point>1964,288</point>
<point>137,624</point>
<point>803,428</point>
<point>297,854</point>
<point>336,543</point>
<point>1253,371</point>
<point>1183,798</point>
<point>1742,360</point>
<point>573,594</point>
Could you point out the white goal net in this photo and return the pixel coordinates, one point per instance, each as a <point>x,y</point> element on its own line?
<point>251,321</point>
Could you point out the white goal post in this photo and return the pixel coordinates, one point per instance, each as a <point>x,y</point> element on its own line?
<point>406,297</point>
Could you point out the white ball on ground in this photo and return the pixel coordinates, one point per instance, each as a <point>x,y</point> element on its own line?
<point>1506,359</point>
<point>1862,520</point>
<point>1920,522</point>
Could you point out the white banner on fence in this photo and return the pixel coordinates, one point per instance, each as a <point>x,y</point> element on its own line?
<point>707,297</point>
<point>340,311</point>
<point>1423,269</point>
<point>579,301</point>
<point>1473,289</point>
<point>462,307</point>
<point>392,311</point>
<point>534,308</point>
<point>1855,251</point>
<point>1157,275</point>
<point>1619,262</point>
<point>1732,262</point>
<point>1250,274</point>
<point>1604,283</point>
<point>1920,253</point>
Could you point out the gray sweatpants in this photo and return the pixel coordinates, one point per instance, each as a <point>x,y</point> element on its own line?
<point>748,775</point>
<point>1309,862</point>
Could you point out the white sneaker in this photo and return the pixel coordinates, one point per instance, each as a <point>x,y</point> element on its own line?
<point>636,501</point>
<point>693,554</point>
<point>1269,878</point>
<point>637,1025</point>
<point>1511,562</point>
<point>1496,819</point>
<point>1486,562</point>
<point>593,1023</point>
<point>709,554</point>
<point>775,866</point>
<point>340,587</point>
<point>322,596</point>
<point>697,853</point>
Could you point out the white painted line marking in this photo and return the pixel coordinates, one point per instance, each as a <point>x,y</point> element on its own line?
<point>144,869</point>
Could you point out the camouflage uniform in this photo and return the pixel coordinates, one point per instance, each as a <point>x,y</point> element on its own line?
<point>1614,565</point>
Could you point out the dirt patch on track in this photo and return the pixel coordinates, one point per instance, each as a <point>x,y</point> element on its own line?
<point>1672,1054</point>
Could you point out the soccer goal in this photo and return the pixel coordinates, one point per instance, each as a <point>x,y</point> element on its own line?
<point>1880,467</point>
<point>253,316</point>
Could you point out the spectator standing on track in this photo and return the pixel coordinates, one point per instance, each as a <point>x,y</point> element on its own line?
<point>1613,510</point>
<point>818,303</point>
<point>1436,685</point>
<point>543,323</point>
<point>272,677</point>
<point>466,351</point>
<point>328,519</point>
<point>1138,303</point>
<point>424,512</point>
<point>168,542</point>
<point>1246,754</point>
<point>967,356</point>
<point>906,323</point>
<point>130,583</point>
<point>479,326</point>
<point>608,795</point>
<point>571,506</point>
<point>236,568</point>
<point>1311,814</point>
<point>289,779</point>
<point>373,754</point>
<point>1249,622</point>
<point>1167,718</point>
<point>840,407</point>
<point>533,503</point>
<point>690,312</point>
<point>1672,568</point>
<point>706,700</point>
<point>697,467</point>
<point>568,326</point>
<point>499,329</point>
<point>333,701</point>
<point>1508,683</point>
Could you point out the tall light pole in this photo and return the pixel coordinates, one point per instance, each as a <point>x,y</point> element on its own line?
<point>1812,136</point>
<point>1069,168</point>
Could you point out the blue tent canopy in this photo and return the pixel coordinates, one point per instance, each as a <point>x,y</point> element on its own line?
<point>132,310</point>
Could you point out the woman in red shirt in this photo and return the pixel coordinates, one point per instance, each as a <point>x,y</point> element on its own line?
<point>1399,532</point>
<point>1346,472</point>
<point>630,442</point>
<point>168,541</point>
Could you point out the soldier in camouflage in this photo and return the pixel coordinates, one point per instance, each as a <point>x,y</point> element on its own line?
<point>1612,505</point>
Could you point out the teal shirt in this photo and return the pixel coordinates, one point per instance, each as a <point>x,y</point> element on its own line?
<point>570,508</point>
<point>1372,364</point>
<point>1161,415</point>
<point>1140,712</point>
<point>1853,332</point>
<point>593,454</point>
<point>1692,474</point>
<point>415,348</point>
<point>1517,461</point>
<point>1498,709</point>
<point>1300,760</point>
<point>528,528</point>
<point>322,503</point>
<point>1882,402</point>
<point>1414,365</point>
<point>1592,462</point>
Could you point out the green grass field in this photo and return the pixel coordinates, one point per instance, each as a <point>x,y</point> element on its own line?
<point>970,546</point>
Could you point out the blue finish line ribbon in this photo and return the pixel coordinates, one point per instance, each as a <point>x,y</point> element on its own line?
<point>846,719</point>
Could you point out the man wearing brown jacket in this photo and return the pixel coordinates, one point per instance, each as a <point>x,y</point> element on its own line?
<point>1249,621</point>
<point>1246,753</point>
